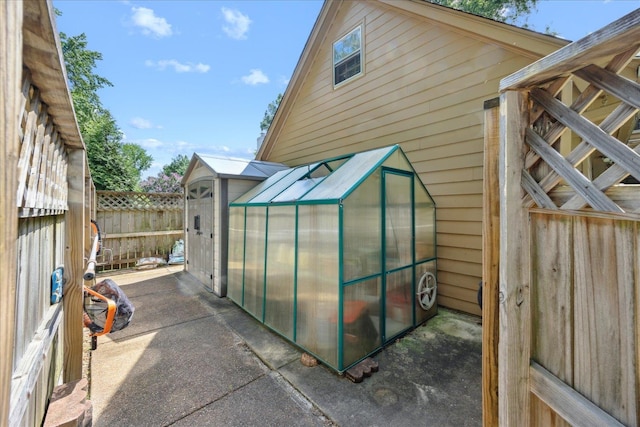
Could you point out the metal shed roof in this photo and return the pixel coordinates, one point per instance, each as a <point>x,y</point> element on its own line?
<point>229,167</point>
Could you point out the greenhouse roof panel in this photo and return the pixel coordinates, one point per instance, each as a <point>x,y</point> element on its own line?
<point>263,186</point>
<point>297,190</point>
<point>329,180</point>
<point>349,175</point>
<point>268,194</point>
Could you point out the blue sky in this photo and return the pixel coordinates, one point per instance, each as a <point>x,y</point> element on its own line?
<point>197,76</point>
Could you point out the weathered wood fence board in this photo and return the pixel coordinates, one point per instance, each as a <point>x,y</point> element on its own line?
<point>569,305</point>
<point>137,225</point>
<point>584,305</point>
<point>11,16</point>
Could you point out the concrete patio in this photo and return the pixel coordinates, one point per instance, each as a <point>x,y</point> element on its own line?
<point>190,358</point>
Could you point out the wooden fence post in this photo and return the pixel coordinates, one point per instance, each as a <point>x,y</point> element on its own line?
<point>490,263</point>
<point>11,15</point>
<point>74,266</point>
<point>515,323</point>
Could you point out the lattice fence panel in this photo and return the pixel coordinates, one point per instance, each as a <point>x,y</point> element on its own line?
<point>556,178</point>
<point>42,167</point>
<point>112,200</point>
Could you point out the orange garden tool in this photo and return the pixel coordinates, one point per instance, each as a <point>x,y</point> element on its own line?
<point>106,307</point>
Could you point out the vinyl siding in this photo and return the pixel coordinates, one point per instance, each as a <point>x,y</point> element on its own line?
<point>423,87</point>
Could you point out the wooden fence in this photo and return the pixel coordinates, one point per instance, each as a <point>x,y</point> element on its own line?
<point>46,193</point>
<point>137,225</point>
<point>565,286</point>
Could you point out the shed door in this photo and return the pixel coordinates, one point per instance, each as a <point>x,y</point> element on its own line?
<point>398,252</point>
<point>200,225</point>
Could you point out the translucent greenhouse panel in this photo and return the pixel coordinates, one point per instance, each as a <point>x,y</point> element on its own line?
<point>361,320</point>
<point>348,176</point>
<point>399,302</point>
<point>317,276</point>
<point>236,254</point>
<point>425,222</point>
<point>269,193</point>
<point>362,229</point>
<point>254,260</point>
<point>281,245</point>
<point>397,160</point>
<point>426,290</point>
<point>264,185</point>
<point>297,190</point>
<point>398,225</point>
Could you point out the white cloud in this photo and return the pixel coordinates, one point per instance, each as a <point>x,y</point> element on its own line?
<point>255,77</point>
<point>149,143</point>
<point>149,23</point>
<point>177,66</point>
<point>238,24</point>
<point>140,123</point>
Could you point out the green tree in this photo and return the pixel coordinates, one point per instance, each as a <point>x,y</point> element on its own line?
<point>178,165</point>
<point>114,166</point>
<point>137,159</point>
<point>499,10</point>
<point>270,113</point>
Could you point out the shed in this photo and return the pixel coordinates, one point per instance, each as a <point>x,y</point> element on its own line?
<point>337,256</point>
<point>210,183</point>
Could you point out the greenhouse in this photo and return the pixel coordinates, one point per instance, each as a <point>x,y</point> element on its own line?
<point>338,256</point>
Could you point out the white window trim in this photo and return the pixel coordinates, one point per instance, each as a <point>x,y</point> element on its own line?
<point>362,62</point>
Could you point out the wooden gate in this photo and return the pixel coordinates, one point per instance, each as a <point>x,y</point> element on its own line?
<point>568,292</point>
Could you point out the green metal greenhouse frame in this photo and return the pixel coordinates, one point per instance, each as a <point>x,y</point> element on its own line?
<point>337,256</point>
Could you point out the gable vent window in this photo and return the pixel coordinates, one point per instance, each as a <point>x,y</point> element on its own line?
<point>347,56</point>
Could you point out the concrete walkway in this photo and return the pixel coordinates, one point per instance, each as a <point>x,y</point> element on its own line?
<point>189,358</point>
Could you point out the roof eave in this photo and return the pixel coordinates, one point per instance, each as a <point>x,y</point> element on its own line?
<point>523,41</point>
<point>323,22</point>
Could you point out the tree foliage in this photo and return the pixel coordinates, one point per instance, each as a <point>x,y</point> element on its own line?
<point>499,10</point>
<point>114,165</point>
<point>178,165</point>
<point>270,113</point>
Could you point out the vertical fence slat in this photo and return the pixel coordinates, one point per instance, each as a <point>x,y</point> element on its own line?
<point>551,293</point>
<point>604,365</point>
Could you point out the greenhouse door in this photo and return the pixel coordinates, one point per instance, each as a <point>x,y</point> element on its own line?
<point>200,237</point>
<point>397,241</point>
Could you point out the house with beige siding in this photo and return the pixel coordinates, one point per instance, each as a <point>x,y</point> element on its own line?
<point>416,74</point>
